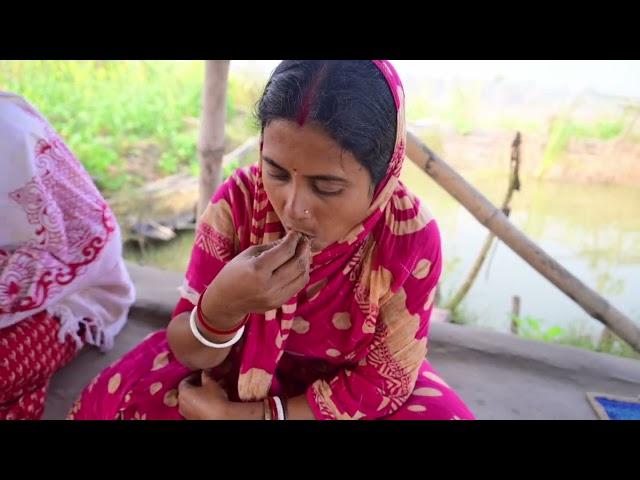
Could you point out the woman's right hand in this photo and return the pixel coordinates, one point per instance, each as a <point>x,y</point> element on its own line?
<point>261,278</point>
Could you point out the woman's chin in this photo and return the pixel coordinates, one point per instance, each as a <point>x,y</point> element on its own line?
<point>317,245</point>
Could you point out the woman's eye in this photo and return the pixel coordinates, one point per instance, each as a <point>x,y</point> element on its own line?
<point>326,191</point>
<point>278,175</point>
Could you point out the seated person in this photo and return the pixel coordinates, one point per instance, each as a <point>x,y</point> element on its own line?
<point>63,282</point>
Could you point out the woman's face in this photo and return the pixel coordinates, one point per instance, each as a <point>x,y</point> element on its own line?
<point>314,186</point>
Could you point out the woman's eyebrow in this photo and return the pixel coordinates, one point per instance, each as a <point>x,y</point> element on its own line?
<point>327,178</point>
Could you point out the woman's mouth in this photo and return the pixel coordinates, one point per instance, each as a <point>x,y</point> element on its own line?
<point>301,232</point>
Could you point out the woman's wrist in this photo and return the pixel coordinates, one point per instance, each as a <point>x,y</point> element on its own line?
<point>252,410</point>
<point>244,411</point>
<point>216,314</point>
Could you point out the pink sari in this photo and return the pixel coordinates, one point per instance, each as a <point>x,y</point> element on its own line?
<point>353,340</point>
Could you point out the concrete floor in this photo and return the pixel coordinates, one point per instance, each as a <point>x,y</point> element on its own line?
<point>498,375</point>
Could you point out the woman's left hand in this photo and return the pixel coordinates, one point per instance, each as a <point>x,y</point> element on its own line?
<point>207,401</point>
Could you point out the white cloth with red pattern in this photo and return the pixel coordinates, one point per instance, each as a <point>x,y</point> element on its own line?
<point>60,245</point>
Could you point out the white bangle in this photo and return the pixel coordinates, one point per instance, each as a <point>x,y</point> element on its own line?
<point>279,408</point>
<point>204,341</point>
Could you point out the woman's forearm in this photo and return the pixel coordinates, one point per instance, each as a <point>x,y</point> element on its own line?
<point>188,349</point>
<point>297,409</point>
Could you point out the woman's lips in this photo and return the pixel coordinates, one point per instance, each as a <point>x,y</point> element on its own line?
<point>308,235</point>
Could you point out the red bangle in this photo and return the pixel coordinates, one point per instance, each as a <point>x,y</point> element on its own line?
<point>274,410</point>
<point>204,321</point>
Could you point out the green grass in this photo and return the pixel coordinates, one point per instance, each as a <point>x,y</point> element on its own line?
<point>534,329</point>
<point>460,111</point>
<point>563,129</point>
<point>173,255</point>
<point>614,347</point>
<point>463,316</point>
<point>132,121</point>
<point>518,124</point>
<point>128,121</point>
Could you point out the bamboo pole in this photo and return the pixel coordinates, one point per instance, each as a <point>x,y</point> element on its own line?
<point>211,139</point>
<point>514,184</point>
<point>496,221</point>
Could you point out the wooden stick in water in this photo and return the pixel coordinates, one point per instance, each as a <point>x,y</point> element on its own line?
<point>496,221</point>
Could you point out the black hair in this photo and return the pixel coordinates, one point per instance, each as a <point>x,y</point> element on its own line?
<point>349,99</point>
